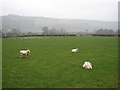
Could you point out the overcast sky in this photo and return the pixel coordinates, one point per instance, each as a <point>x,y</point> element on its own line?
<point>106,10</point>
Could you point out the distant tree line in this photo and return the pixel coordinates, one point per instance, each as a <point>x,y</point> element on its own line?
<point>106,32</point>
<point>10,32</point>
<point>53,31</point>
<point>14,32</point>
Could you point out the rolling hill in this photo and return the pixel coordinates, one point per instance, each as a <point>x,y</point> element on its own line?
<point>35,24</point>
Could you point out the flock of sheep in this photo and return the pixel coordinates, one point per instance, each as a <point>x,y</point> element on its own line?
<point>86,65</point>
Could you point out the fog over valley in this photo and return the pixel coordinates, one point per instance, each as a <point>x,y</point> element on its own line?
<point>35,24</point>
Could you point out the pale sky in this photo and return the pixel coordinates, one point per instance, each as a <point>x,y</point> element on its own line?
<point>106,10</point>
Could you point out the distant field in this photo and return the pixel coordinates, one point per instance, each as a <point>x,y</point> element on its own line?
<point>52,65</point>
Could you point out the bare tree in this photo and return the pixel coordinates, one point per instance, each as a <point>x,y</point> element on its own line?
<point>45,30</point>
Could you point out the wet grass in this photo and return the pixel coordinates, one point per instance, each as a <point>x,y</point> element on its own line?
<point>52,65</point>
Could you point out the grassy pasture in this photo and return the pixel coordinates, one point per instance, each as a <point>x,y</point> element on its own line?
<point>52,65</point>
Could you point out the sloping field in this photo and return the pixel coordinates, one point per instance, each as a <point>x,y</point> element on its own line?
<point>52,65</point>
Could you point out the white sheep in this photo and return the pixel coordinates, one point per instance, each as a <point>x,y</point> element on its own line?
<point>87,65</point>
<point>24,52</point>
<point>75,50</point>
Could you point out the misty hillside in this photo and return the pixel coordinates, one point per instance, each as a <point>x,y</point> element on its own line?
<point>35,24</point>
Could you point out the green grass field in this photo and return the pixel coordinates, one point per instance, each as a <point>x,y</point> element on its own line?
<point>52,65</point>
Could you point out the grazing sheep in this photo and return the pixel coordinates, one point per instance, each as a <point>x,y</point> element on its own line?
<point>87,65</point>
<point>75,50</point>
<point>24,52</point>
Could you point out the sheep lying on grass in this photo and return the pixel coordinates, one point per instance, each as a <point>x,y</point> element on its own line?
<point>87,65</point>
<point>75,50</point>
<point>24,52</point>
